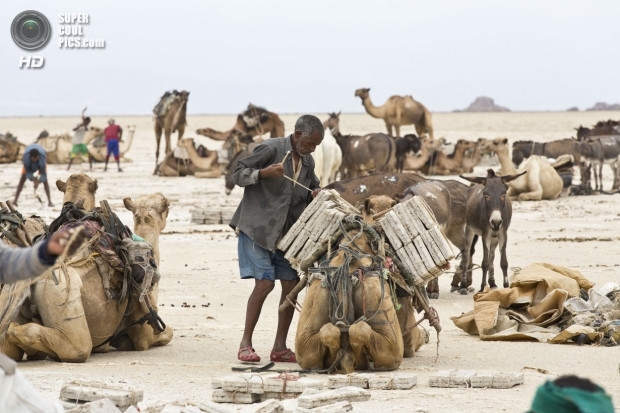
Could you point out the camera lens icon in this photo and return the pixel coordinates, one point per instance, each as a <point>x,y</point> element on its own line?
<point>31,30</point>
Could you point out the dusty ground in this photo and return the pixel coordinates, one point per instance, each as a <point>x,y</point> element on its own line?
<point>203,299</point>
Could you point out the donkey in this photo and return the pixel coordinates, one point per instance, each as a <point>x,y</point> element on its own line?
<point>600,151</point>
<point>447,199</point>
<point>488,214</point>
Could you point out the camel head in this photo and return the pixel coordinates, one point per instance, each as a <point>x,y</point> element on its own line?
<point>363,93</point>
<point>79,189</point>
<point>149,214</point>
<point>497,145</point>
<point>183,96</point>
<point>376,204</point>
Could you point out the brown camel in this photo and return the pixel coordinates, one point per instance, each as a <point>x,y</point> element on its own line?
<point>397,111</point>
<point>418,161</point>
<point>150,213</point>
<point>170,117</point>
<point>442,164</point>
<point>254,121</point>
<point>10,148</point>
<point>363,327</point>
<point>72,312</point>
<point>205,166</point>
<point>57,147</point>
<point>191,163</point>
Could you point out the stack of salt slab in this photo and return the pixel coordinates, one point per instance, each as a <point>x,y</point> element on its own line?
<point>414,234</point>
<point>319,221</point>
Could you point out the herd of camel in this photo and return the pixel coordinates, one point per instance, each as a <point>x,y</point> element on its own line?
<point>102,305</point>
<point>341,156</point>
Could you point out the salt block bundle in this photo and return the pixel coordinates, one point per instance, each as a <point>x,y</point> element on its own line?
<point>319,221</point>
<point>414,234</point>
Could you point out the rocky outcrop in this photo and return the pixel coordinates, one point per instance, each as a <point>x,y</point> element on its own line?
<point>605,106</point>
<point>484,104</point>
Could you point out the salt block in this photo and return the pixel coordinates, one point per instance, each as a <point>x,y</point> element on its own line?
<point>340,407</point>
<point>344,380</point>
<point>451,378</point>
<point>245,382</point>
<point>495,380</point>
<point>278,395</point>
<point>210,407</point>
<point>97,406</point>
<point>216,383</point>
<point>91,391</point>
<point>267,406</point>
<point>295,385</point>
<point>398,381</point>
<point>350,394</point>
<point>223,396</point>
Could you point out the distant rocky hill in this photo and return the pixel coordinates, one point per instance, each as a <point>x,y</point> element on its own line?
<point>484,104</point>
<point>605,106</point>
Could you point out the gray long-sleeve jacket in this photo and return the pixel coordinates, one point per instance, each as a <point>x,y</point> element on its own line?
<point>23,263</point>
<point>271,206</point>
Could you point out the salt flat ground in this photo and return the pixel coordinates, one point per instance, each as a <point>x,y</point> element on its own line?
<point>203,299</point>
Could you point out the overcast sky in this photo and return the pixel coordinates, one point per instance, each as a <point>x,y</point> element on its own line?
<point>310,56</point>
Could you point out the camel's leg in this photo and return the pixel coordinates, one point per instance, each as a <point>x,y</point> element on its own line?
<point>377,346</point>
<point>65,334</point>
<point>158,132</point>
<point>181,131</point>
<point>397,130</point>
<point>388,126</point>
<point>412,336</point>
<point>142,337</point>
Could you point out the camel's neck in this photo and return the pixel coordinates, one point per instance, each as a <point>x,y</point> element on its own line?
<point>127,143</point>
<point>505,162</point>
<point>152,238</point>
<point>417,162</point>
<point>217,135</point>
<point>374,111</point>
<point>473,160</point>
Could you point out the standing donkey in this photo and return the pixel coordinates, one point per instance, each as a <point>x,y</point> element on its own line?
<point>488,214</point>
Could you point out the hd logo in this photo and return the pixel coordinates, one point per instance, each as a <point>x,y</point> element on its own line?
<point>31,31</point>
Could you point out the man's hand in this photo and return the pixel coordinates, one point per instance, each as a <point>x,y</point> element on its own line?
<point>315,192</point>
<point>36,182</point>
<point>272,171</point>
<point>71,239</point>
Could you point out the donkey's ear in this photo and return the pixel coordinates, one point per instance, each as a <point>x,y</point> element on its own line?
<point>508,178</point>
<point>475,179</point>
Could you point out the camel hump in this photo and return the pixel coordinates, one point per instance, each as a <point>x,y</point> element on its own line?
<point>165,100</point>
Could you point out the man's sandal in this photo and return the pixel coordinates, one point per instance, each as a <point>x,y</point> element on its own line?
<point>248,354</point>
<point>284,356</point>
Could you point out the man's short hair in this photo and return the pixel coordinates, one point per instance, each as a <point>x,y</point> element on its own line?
<point>87,119</point>
<point>308,124</point>
<point>34,153</point>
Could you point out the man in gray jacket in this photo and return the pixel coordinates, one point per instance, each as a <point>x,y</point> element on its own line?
<point>276,178</point>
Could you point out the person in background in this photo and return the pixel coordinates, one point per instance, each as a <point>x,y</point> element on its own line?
<point>34,160</point>
<point>79,147</point>
<point>570,393</point>
<point>113,135</point>
<point>270,206</point>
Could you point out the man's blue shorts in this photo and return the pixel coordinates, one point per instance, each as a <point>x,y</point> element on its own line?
<point>261,264</point>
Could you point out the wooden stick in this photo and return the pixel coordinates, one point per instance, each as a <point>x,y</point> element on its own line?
<point>292,296</point>
<point>295,182</point>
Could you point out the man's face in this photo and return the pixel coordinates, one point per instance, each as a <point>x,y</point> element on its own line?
<point>305,145</point>
<point>34,158</point>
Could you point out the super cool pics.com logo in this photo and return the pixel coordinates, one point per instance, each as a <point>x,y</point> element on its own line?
<point>31,31</point>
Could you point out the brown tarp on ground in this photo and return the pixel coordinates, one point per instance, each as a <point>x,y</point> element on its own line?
<point>529,309</point>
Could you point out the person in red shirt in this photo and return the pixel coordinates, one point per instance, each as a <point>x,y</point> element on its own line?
<point>113,135</point>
